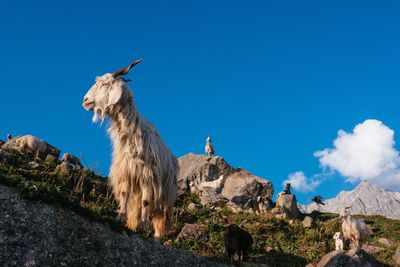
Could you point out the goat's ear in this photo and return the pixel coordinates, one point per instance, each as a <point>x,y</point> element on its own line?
<point>115,95</point>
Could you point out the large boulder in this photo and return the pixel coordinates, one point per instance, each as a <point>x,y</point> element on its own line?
<point>214,180</point>
<point>352,258</point>
<point>385,241</point>
<point>196,169</point>
<point>242,186</point>
<point>31,146</point>
<point>72,240</point>
<point>287,203</point>
<point>308,222</point>
<point>396,256</point>
<point>72,160</point>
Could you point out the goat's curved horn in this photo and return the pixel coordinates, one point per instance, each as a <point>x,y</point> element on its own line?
<point>347,207</point>
<point>126,69</point>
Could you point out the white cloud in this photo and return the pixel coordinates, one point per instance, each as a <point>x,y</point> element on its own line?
<point>301,183</point>
<point>367,153</point>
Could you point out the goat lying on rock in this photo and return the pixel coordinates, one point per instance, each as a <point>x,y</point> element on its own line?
<point>31,145</point>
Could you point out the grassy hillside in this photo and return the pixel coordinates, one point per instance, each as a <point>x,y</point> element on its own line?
<point>87,194</point>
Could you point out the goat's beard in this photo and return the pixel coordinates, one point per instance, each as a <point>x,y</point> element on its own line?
<point>98,113</point>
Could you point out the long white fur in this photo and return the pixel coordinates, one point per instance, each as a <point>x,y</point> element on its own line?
<point>27,144</point>
<point>353,229</point>
<point>338,237</point>
<point>209,147</point>
<point>143,175</point>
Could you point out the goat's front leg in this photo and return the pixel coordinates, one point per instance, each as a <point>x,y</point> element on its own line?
<point>133,212</point>
<point>146,205</point>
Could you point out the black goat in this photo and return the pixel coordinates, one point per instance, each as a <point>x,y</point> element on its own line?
<point>237,241</point>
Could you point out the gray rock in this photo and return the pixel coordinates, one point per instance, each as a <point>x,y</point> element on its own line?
<point>288,205</point>
<point>195,169</point>
<point>210,196</point>
<point>51,158</point>
<point>270,250</point>
<point>233,207</point>
<point>7,157</point>
<point>352,258</point>
<point>194,207</point>
<point>214,180</point>
<point>396,256</point>
<point>41,235</point>
<point>241,186</point>
<point>64,167</point>
<point>372,249</point>
<point>308,222</point>
<point>385,241</point>
<point>281,216</point>
<point>72,160</point>
<point>365,199</point>
<point>191,232</point>
<point>33,165</point>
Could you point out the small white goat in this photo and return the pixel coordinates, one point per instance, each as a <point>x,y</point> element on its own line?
<point>27,144</point>
<point>209,147</point>
<point>355,230</point>
<point>31,145</point>
<point>338,237</point>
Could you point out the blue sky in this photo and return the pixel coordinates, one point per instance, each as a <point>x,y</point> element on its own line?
<point>272,82</point>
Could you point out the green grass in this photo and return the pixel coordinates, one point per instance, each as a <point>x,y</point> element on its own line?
<point>294,244</point>
<point>83,192</point>
<point>87,194</point>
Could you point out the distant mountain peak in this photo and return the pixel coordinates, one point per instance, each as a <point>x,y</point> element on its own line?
<point>365,199</point>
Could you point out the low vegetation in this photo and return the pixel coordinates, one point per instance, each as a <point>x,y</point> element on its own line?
<point>276,242</point>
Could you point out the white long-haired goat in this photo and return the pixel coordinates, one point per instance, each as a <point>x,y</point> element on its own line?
<point>28,144</point>
<point>353,229</point>
<point>209,147</point>
<point>143,175</point>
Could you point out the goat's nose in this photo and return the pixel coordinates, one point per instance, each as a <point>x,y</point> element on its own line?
<point>86,98</point>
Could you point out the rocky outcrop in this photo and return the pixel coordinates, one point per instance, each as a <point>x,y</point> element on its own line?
<point>72,160</point>
<point>37,234</point>
<point>31,146</point>
<point>196,169</point>
<point>6,157</point>
<point>241,186</point>
<point>214,180</point>
<point>308,222</point>
<point>386,242</point>
<point>352,258</point>
<point>287,204</point>
<point>365,199</point>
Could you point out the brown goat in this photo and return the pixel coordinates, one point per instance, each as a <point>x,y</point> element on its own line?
<point>237,241</point>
